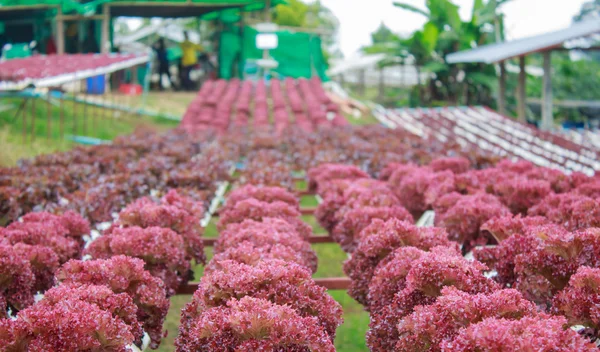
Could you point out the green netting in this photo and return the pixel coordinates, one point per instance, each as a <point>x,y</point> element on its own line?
<point>233,15</point>
<point>298,54</point>
<point>87,7</point>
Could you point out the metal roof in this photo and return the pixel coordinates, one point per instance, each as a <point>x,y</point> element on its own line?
<point>502,51</point>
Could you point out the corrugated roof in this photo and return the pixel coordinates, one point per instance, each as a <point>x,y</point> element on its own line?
<point>502,51</point>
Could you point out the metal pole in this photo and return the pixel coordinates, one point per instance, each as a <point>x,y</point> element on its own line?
<point>502,89</point>
<point>75,108</point>
<point>60,32</point>
<point>49,116</point>
<point>547,117</point>
<point>32,119</point>
<point>85,112</point>
<point>62,115</point>
<point>522,91</point>
<point>104,49</point>
<point>25,121</point>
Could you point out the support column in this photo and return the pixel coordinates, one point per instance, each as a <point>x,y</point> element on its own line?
<point>522,91</point>
<point>105,36</point>
<point>267,20</point>
<point>362,82</point>
<point>547,117</point>
<point>381,83</point>
<point>60,32</point>
<point>502,89</point>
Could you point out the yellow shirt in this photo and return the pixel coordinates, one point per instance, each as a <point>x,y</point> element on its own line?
<point>189,52</point>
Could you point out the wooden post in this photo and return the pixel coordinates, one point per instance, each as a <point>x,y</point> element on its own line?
<point>32,119</point>
<point>362,84</point>
<point>62,115</point>
<point>268,11</point>
<point>522,91</point>
<point>547,117</point>
<point>502,88</point>
<point>24,120</point>
<point>381,83</point>
<point>134,75</point>
<point>105,39</point>
<point>49,116</point>
<point>267,20</point>
<point>60,32</point>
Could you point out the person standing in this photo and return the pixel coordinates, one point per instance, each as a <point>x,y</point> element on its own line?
<point>163,62</point>
<point>189,59</point>
<point>90,45</point>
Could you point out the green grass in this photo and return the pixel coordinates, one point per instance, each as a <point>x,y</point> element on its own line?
<point>45,124</point>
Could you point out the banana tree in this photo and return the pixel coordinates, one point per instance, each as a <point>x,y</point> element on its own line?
<point>444,33</point>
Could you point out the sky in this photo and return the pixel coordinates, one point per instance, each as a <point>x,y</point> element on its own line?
<point>523,18</point>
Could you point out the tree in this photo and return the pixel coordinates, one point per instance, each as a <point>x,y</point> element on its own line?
<point>315,15</point>
<point>445,33</point>
<point>383,35</point>
<point>589,10</point>
<point>292,14</point>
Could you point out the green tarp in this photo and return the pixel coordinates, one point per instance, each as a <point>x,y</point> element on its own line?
<point>298,54</point>
<point>179,7</point>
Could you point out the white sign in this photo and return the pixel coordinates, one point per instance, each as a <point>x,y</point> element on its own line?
<point>267,41</point>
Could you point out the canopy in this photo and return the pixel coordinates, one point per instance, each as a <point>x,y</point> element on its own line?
<point>234,15</point>
<point>503,51</point>
<point>136,8</point>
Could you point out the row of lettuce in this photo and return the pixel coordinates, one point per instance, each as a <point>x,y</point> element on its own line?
<point>511,260</point>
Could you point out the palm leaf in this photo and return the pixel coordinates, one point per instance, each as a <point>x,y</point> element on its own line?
<point>411,8</point>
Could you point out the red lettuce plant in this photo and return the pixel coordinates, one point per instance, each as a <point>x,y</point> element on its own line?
<point>559,181</point>
<point>411,278</point>
<point>348,232</point>
<point>590,189</point>
<point>572,211</point>
<point>68,325</point>
<point>74,223</point>
<point>419,189</point>
<point>43,262</point>
<point>16,280</point>
<point>526,334</point>
<point>519,193</point>
<point>251,254</point>
<point>263,194</point>
<point>547,269</point>
<point>120,305</point>
<point>462,216</point>
<point>253,324</point>
<point>427,327</point>
<point>277,281</point>
<point>162,249</point>
<point>256,210</point>
<point>503,227</point>
<point>174,212</point>
<point>360,194</point>
<point>386,173</point>
<point>378,240</point>
<point>502,258</point>
<point>457,165</point>
<point>124,275</point>
<point>327,172</point>
<point>53,236</point>
<point>579,302</point>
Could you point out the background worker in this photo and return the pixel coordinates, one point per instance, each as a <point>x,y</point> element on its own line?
<point>163,63</point>
<point>189,60</point>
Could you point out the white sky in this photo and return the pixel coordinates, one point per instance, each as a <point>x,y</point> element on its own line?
<point>358,18</point>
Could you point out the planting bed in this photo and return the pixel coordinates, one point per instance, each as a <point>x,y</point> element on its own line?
<point>54,70</point>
